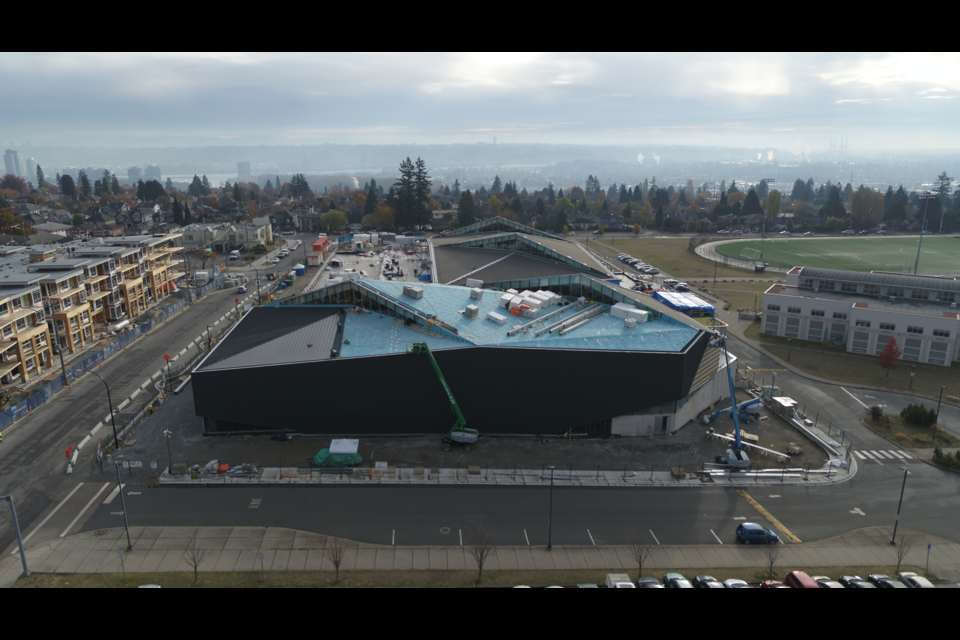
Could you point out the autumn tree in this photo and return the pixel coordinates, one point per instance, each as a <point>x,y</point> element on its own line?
<point>866,203</point>
<point>11,181</point>
<point>890,354</point>
<point>333,220</point>
<point>466,213</point>
<point>384,214</point>
<point>774,204</point>
<point>636,229</point>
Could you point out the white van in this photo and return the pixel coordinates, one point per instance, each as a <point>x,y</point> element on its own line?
<point>849,232</point>
<point>235,254</point>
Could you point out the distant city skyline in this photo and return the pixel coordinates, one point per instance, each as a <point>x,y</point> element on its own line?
<point>786,101</point>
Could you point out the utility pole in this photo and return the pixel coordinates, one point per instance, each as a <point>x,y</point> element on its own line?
<point>923,225</point>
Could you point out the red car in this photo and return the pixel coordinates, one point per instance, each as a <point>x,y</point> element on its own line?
<point>773,584</point>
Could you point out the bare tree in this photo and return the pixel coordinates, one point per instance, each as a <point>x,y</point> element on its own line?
<point>640,551</point>
<point>195,555</point>
<point>904,544</point>
<point>481,541</point>
<point>772,553</point>
<point>335,550</point>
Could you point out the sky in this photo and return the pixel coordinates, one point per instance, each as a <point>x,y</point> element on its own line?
<point>786,101</point>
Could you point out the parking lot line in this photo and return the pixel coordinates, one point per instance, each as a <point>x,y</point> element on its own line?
<point>654,537</point>
<point>526,537</point>
<point>766,514</point>
<point>716,536</point>
<point>591,538</point>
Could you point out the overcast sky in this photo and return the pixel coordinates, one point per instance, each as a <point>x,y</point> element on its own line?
<point>878,101</point>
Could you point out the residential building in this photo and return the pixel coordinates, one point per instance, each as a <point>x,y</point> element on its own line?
<point>864,310</point>
<point>133,175</point>
<point>25,349</point>
<point>11,160</point>
<point>243,170</point>
<point>224,237</point>
<point>151,172</point>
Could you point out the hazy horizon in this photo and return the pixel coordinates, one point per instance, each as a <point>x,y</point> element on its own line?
<point>791,103</point>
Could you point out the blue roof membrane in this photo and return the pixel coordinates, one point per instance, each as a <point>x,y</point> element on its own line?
<point>373,334</point>
<point>446,301</point>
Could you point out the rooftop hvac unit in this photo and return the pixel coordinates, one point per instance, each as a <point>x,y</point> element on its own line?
<point>496,317</point>
<point>630,323</point>
<point>505,300</point>
<point>412,292</point>
<point>472,311</point>
<point>474,283</point>
<point>476,293</point>
<point>512,291</point>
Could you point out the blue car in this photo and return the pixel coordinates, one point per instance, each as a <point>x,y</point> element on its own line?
<point>752,533</point>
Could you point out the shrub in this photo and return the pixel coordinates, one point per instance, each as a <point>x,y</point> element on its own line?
<point>876,412</point>
<point>918,415</point>
<point>937,454</point>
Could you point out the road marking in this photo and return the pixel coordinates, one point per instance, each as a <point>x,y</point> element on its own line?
<point>654,537</point>
<point>740,518</point>
<point>50,515</point>
<point>254,503</point>
<point>133,493</point>
<point>526,537</point>
<point>116,513</point>
<point>113,494</point>
<point>123,404</point>
<point>887,455</point>
<point>715,536</point>
<point>96,428</point>
<point>190,346</point>
<point>860,455</point>
<point>84,510</point>
<point>897,454</point>
<point>869,455</point>
<point>591,538</point>
<point>855,398</point>
<point>906,455</point>
<point>858,512</point>
<point>135,393</point>
<point>147,383</point>
<point>156,375</point>
<point>774,495</point>
<point>766,514</point>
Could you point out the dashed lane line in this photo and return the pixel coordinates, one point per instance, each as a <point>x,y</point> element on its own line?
<point>766,514</point>
<point>860,402</point>
<point>716,536</point>
<point>654,537</point>
<point>84,510</point>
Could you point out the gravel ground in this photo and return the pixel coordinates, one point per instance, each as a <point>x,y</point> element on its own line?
<point>692,445</point>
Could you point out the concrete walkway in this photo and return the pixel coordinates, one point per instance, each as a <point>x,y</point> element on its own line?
<point>162,549</point>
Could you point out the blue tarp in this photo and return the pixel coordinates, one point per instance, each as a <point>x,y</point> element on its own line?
<point>683,302</point>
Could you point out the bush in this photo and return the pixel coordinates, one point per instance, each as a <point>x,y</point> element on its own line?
<point>937,454</point>
<point>918,415</point>
<point>876,413</point>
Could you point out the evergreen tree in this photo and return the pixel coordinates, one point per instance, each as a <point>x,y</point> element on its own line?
<point>646,190</point>
<point>373,184</point>
<point>168,185</point>
<point>196,188</point>
<point>58,180</point>
<point>682,200</point>
<point>205,188</point>
<point>105,183</point>
<point>497,186</point>
<point>847,192</point>
<point>269,185</point>
<point>299,185</point>
<point>723,187</point>
<point>733,188</point>
<point>559,193</point>
<point>446,191</point>
<point>187,216</point>
<point>152,190</point>
<point>370,206</point>
<point>551,196</point>
<point>97,188</point>
<point>279,186</point>
<point>624,194</point>
<point>406,216</point>
<point>751,205</point>
<point>659,217</point>
<point>140,194</point>
<point>115,184</point>
<point>541,207</point>
<point>456,188</point>
<point>516,205</point>
<point>421,192</point>
<point>40,181</point>
<point>177,212</point>
<point>84,183</point>
<point>833,207</point>
<point>237,191</point>
<point>391,199</point>
<point>762,190</point>
<point>67,186</point>
<point>888,198</point>
<point>466,213</point>
<point>612,191</point>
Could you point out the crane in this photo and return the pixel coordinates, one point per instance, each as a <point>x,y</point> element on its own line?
<point>458,433</point>
<point>745,410</point>
<point>736,457</point>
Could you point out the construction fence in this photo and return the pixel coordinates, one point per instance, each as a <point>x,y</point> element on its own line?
<point>73,371</point>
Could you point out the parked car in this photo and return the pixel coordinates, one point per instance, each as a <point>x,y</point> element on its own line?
<point>800,580</point>
<point>753,533</point>
<point>735,583</point>
<point>808,233</point>
<point>706,582</point>
<point>671,282</point>
<point>881,581</point>
<point>848,232</point>
<point>855,582</point>
<point>681,286</point>
<point>654,271</point>
<point>241,289</point>
<point>275,260</point>
<point>773,584</point>
<point>722,232</point>
<point>676,581</point>
<point>648,583</point>
<point>914,581</point>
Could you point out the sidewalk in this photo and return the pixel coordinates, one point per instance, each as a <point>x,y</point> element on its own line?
<point>162,549</point>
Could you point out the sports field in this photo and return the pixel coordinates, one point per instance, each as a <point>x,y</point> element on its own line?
<point>939,255</point>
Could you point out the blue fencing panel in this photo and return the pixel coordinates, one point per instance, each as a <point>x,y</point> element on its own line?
<point>19,410</point>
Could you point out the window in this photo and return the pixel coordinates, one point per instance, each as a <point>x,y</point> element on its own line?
<point>886,326</point>
<point>815,334</point>
<point>817,312</point>
<point>919,294</point>
<point>941,333</point>
<point>896,292</point>
<point>848,287</point>
<point>863,323</point>
<point>917,330</point>
<point>937,357</point>
<point>871,289</point>
<point>792,331</point>
<point>806,283</point>
<point>793,309</point>
<point>911,353</point>
<point>772,325</point>
<point>860,346</point>
<point>839,316</point>
<point>827,286</point>
<point>773,307</point>
<point>946,296</point>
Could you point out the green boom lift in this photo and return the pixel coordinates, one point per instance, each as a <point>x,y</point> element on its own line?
<point>458,433</point>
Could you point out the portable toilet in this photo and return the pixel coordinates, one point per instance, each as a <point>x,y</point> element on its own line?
<point>300,269</point>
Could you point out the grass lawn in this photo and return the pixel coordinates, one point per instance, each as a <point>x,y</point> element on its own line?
<point>667,254</point>
<point>939,254</point>
<point>908,435</point>
<point>406,579</point>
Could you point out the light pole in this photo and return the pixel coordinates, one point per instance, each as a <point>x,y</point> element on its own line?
<point>123,506</point>
<point>113,420</point>
<point>259,299</point>
<point>16,528</point>
<point>209,337</point>
<point>913,372</point>
<point>923,225</point>
<point>789,348</point>
<point>550,518</point>
<point>938,416</point>
<point>167,433</point>
<point>893,540</point>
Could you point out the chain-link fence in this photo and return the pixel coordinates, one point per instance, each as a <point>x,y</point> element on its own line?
<point>25,407</point>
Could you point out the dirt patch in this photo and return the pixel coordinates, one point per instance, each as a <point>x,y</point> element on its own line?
<point>909,436</point>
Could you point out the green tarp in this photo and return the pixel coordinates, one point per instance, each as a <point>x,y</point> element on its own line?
<point>326,459</point>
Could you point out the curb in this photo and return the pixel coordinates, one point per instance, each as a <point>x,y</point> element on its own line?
<point>929,462</point>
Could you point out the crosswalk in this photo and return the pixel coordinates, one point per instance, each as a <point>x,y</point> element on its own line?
<point>879,456</point>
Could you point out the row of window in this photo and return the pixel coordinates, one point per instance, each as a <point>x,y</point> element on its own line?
<point>874,290</point>
<point>884,326</point>
<point>815,312</point>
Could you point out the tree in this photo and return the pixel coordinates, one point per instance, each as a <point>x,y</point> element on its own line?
<point>299,185</point>
<point>494,204</point>
<point>466,213</point>
<point>85,187</point>
<point>205,188</point>
<point>78,219</point>
<point>11,181</point>
<point>40,182</point>
<point>904,545</point>
<point>456,187</point>
<point>847,192</point>
<point>195,555</point>
<point>333,220</point>
<point>187,217</point>
<point>237,192</point>
<point>370,202</point>
<point>832,207</point>
<point>541,207</point>
<point>566,229</point>
<point>384,214</point>
<point>751,204</point>
<point>177,212</point>
<point>889,356</point>
<point>516,205</point>
<point>867,204</point>
<point>481,542</point>
<point>497,185</point>
<point>659,218</point>
<point>269,185</point>
<point>636,229</point>
<point>114,184</point>
<point>68,187</point>
<point>774,204</point>
<point>152,189</point>
<point>105,183</point>
<point>168,185</point>
<point>641,552</point>
<point>763,190</point>
<point>772,553</point>
<point>335,550</point>
<point>140,192</point>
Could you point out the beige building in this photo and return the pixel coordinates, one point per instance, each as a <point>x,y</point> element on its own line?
<point>24,336</point>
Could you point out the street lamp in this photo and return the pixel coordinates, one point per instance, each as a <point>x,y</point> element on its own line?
<point>16,529</point>
<point>550,519</point>
<point>167,433</point>
<point>259,299</point>
<point>209,337</point>
<point>113,420</point>
<point>789,348</point>
<point>893,540</point>
<point>123,507</point>
<point>913,372</point>
<point>938,416</point>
